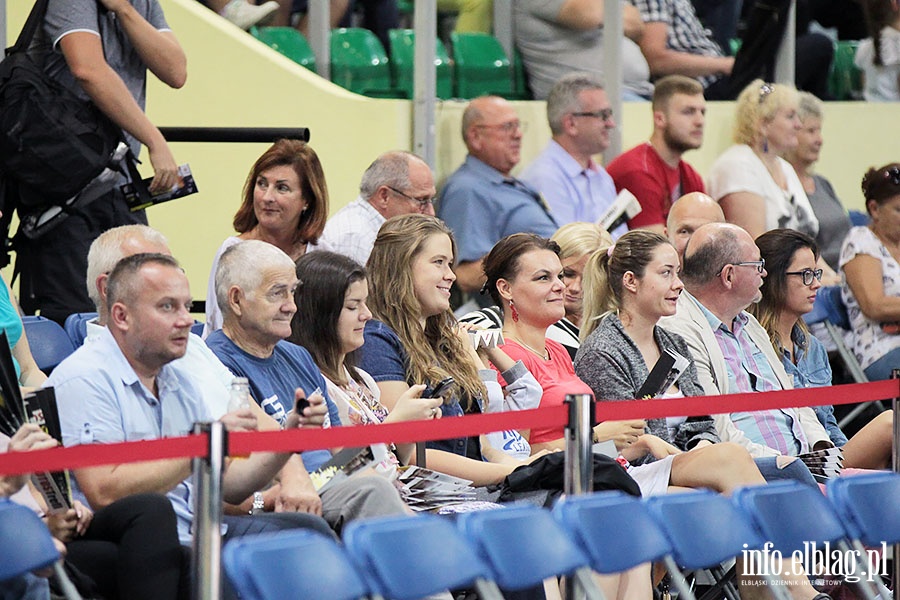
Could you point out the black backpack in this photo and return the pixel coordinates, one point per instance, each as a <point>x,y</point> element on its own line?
<point>52,143</point>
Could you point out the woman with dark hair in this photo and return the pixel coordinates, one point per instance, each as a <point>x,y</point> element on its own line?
<point>788,293</point>
<point>871,288</point>
<point>331,316</point>
<point>285,203</point>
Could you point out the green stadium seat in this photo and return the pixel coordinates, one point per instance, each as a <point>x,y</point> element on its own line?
<point>360,64</point>
<point>734,44</point>
<point>521,91</point>
<point>403,53</point>
<point>845,79</point>
<point>482,66</point>
<point>287,41</point>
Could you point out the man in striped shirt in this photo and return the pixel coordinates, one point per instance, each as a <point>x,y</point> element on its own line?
<point>722,273</point>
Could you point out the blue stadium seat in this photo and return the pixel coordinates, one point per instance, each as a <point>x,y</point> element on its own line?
<point>867,506</point>
<point>50,344</point>
<point>25,541</point>
<point>291,564</point>
<point>76,326</point>
<point>617,532</point>
<point>523,545</point>
<point>392,549</point>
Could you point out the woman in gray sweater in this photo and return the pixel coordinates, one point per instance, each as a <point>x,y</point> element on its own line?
<point>627,289</point>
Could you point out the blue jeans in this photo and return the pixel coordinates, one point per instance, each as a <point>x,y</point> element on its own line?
<point>796,470</point>
<point>881,368</point>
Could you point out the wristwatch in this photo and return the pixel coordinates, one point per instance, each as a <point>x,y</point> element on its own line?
<point>258,503</point>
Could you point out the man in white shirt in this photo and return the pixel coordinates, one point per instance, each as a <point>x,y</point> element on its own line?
<point>397,183</point>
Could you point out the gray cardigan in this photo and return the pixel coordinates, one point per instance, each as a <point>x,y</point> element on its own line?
<point>611,364</point>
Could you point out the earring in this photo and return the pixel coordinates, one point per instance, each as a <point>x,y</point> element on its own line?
<point>513,312</point>
<point>765,145</point>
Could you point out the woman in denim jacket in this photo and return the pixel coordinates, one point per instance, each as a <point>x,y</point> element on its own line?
<point>788,293</point>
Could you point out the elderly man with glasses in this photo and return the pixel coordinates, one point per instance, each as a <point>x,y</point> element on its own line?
<point>722,273</point>
<point>580,118</point>
<point>481,202</point>
<point>396,183</point>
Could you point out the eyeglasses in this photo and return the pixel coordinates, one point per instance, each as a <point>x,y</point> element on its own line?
<point>604,115</point>
<point>422,203</point>
<point>808,275</point>
<point>508,128</point>
<point>759,264</point>
<point>764,90</point>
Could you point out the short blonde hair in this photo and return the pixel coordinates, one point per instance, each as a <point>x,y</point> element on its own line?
<point>578,239</point>
<point>758,103</point>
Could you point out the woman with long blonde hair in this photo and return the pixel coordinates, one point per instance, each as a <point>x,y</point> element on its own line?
<point>415,339</point>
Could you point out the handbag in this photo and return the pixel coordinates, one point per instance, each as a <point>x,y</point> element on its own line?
<point>52,142</point>
<point>548,473</point>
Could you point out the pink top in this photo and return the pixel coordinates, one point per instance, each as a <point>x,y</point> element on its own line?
<point>556,376</point>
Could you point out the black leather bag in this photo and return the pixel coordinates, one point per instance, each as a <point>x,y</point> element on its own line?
<point>548,473</point>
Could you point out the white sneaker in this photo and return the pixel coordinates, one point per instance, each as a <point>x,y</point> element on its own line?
<point>246,15</point>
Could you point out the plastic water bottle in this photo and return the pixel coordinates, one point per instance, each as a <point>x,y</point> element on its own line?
<point>239,396</point>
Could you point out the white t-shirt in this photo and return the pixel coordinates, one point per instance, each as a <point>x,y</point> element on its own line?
<point>738,169</point>
<point>881,83</point>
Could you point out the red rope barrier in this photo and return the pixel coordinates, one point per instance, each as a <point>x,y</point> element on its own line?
<point>296,440</point>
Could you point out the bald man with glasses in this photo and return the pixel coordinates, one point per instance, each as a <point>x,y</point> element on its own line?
<point>722,273</point>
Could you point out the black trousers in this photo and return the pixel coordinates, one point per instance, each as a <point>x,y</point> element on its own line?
<point>131,550</point>
<point>53,267</point>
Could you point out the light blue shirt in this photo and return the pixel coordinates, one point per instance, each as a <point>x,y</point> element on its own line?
<point>574,193</point>
<point>207,372</point>
<point>482,206</point>
<point>102,401</point>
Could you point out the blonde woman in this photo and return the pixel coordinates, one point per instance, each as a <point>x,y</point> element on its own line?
<point>577,241</point>
<point>757,189</point>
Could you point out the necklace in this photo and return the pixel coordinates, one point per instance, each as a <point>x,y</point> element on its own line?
<point>545,354</point>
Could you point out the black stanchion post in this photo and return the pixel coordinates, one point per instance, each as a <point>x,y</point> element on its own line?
<point>206,582</point>
<point>420,454</point>
<point>895,404</point>
<point>579,477</point>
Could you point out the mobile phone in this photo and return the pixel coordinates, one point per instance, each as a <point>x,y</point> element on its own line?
<point>443,389</point>
<point>300,405</point>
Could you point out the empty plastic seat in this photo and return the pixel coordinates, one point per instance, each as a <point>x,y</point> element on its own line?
<point>845,79</point>
<point>49,342</point>
<point>411,557</point>
<point>858,218</point>
<point>25,542</point>
<point>403,58</point>
<point>360,64</point>
<point>482,66</point>
<point>521,89</point>
<point>867,506</point>
<point>291,564</point>
<point>76,327</point>
<point>287,41</point>
<point>523,545</point>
